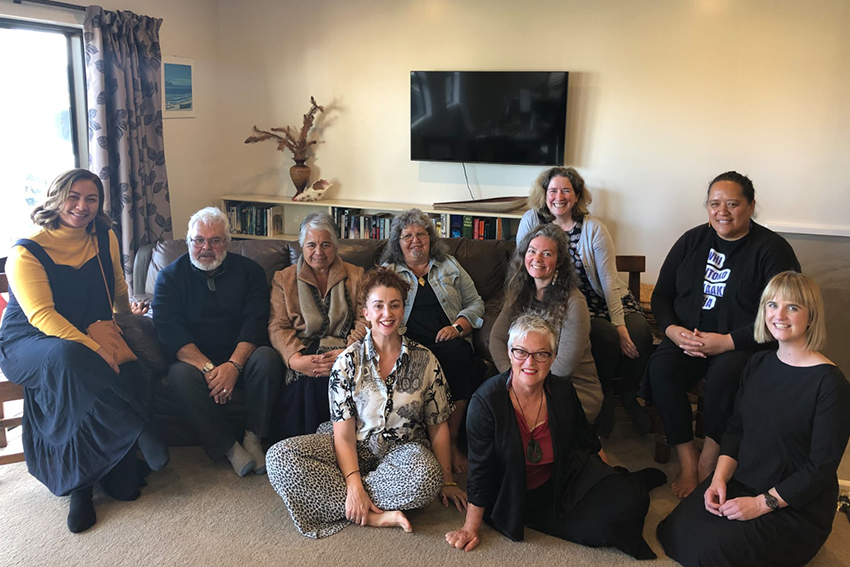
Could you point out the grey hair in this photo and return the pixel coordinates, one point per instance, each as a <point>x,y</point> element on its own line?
<point>392,252</point>
<point>529,321</point>
<point>209,216</point>
<point>319,221</point>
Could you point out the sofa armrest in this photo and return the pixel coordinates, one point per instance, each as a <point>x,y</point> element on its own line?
<point>140,268</point>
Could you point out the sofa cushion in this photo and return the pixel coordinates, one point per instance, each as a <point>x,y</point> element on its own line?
<point>486,261</point>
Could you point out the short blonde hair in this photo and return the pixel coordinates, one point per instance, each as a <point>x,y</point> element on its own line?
<point>537,196</point>
<point>802,290</point>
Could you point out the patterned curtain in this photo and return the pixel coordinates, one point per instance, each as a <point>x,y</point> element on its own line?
<point>126,147</point>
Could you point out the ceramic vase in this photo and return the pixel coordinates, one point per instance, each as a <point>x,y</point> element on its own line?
<point>300,175</point>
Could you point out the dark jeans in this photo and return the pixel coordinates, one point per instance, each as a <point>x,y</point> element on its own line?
<point>610,361</point>
<point>672,373</point>
<point>260,381</point>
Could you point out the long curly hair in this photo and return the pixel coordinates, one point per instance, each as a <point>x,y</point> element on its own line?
<point>392,251</point>
<point>47,215</point>
<point>537,196</point>
<point>520,287</point>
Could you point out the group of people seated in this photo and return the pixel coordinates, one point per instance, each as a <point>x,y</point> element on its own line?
<point>371,376</point>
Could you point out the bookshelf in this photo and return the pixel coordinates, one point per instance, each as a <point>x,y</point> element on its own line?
<point>272,217</point>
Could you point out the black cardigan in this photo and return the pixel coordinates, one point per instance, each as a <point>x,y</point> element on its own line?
<point>496,477</point>
<point>678,295</point>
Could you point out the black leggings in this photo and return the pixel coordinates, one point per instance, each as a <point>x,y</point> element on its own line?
<point>612,513</point>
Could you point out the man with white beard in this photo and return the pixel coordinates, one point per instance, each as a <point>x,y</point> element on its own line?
<point>211,311</point>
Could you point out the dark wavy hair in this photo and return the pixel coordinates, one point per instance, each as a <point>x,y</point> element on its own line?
<point>47,215</point>
<point>382,277</point>
<point>392,252</point>
<point>744,182</point>
<point>537,197</point>
<point>520,288</point>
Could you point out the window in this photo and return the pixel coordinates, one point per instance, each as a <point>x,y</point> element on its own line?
<point>42,110</point>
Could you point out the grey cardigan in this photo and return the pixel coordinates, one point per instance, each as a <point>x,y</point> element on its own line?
<point>596,249</point>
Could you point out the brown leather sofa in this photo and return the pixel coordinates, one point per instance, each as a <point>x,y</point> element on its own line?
<point>486,261</point>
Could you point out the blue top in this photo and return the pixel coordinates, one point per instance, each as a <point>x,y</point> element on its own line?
<point>213,313</point>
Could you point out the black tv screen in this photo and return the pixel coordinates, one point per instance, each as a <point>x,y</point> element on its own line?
<point>511,117</point>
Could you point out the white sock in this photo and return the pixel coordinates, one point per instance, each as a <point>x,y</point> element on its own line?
<point>254,447</point>
<point>243,462</point>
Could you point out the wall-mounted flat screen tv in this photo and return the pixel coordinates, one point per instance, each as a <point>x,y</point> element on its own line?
<point>510,117</point>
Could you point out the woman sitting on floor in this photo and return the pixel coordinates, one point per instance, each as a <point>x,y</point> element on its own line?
<point>772,498</point>
<point>390,445</point>
<point>83,414</point>
<point>313,318</point>
<point>533,458</point>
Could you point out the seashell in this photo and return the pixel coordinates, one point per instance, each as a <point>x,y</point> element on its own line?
<point>314,193</point>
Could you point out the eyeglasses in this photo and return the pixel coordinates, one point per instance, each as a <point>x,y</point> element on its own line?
<point>420,236</point>
<point>539,356</point>
<point>198,242</point>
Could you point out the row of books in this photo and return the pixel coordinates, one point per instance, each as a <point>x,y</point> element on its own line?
<point>256,220</point>
<point>353,223</point>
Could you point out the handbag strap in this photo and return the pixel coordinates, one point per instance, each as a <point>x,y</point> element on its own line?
<point>103,273</point>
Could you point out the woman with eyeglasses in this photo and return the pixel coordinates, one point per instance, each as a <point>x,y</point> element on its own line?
<point>533,458</point>
<point>541,277</point>
<point>441,310</point>
<point>84,415</point>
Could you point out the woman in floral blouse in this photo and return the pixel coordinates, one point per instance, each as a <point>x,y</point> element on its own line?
<point>389,450</point>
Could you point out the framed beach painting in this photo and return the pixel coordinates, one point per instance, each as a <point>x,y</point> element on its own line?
<point>178,90</point>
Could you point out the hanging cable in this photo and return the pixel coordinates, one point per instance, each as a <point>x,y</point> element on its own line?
<point>468,188</point>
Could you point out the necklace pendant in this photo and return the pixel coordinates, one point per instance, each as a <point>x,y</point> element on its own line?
<point>422,281</point>
<point>533,452</point>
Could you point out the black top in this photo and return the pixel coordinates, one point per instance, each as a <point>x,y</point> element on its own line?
<point>789,431</point>
<point>216,315</point>
<point>678,295</point>
<point>496,477</point>
<point>426,315</point>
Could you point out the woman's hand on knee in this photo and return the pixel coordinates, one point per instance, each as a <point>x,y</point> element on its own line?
<point>464,539</point>
<point>627,347</point>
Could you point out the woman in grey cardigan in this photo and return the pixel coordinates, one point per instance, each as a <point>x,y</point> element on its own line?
<point>619,334</point>
<point>541,277</point>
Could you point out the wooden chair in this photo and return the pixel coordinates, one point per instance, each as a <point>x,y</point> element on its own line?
<point>635,265</point>
<point>8,392</point>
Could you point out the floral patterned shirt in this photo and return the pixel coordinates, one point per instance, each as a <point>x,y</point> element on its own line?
<point>397,409</point>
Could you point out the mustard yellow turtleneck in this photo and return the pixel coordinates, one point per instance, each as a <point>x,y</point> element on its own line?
<point>28,280</point>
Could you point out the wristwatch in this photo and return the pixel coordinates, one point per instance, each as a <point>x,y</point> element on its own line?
<point>207,367</point>
<point>771,501</point>
<point>459,329</point>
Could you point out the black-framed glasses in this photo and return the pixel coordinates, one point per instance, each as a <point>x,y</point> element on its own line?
<point>198,241</point>
<point>539,356</point>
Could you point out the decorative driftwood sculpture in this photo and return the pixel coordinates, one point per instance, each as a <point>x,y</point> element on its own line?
<point>300,173</point>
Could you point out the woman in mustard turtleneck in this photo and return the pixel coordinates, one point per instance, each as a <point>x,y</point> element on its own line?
<point>83,414</point>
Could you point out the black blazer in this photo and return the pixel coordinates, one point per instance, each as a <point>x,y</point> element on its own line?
<point>496,478</point>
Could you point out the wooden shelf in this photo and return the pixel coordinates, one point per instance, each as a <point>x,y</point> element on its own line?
<point>295,211</point>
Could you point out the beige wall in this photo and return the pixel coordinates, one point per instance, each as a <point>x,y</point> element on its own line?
<point>663,94</point>
<point>189,29</point>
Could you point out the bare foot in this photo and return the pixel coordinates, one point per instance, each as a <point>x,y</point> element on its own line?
<point>460,463</point>
<point>391,519</point>
<point>688,477</point>
<point>684,485</point>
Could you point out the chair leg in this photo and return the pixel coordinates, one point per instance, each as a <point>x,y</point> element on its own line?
<point>699,419</point>
<point>662,449</point>
<point>3,442</point>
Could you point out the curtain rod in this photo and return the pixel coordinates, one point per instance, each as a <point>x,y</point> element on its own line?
<point>53,4</point>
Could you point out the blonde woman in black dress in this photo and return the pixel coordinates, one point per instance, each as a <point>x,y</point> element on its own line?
<point>772,498</point>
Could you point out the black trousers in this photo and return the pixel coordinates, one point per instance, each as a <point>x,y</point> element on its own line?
<point>612,513</point>
<point>260,381</point>
<point>672,373</point>
<point>610,361</point>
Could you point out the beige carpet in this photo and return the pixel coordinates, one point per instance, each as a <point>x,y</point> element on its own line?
<point>199,513</point>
